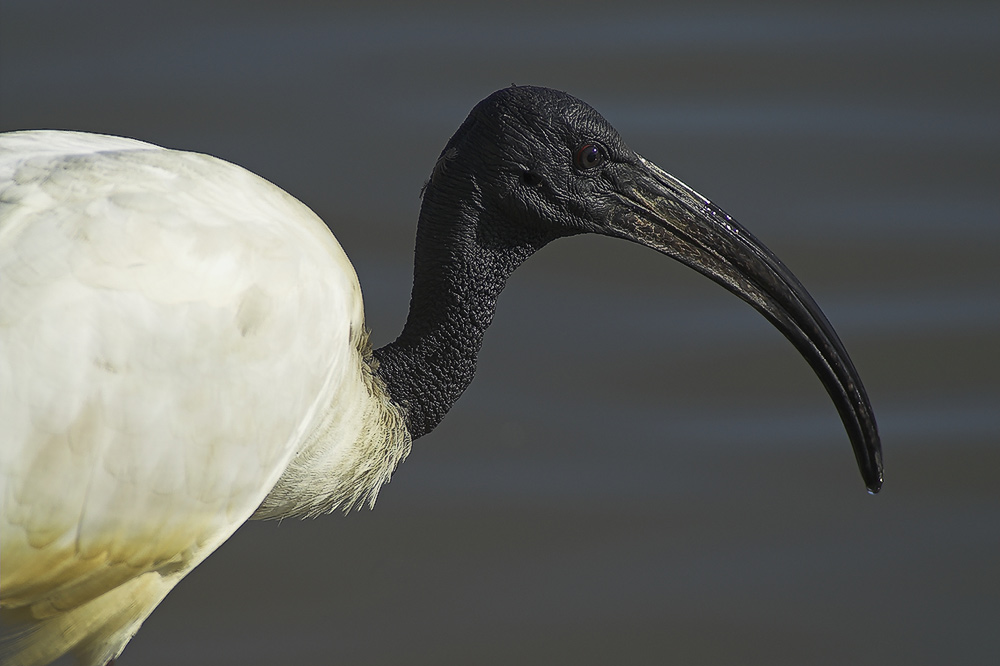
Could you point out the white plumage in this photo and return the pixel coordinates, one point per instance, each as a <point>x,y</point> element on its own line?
<point>178,337</point>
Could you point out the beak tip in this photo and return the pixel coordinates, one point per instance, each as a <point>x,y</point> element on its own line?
<point>873,475</point>
<point>860,423</point>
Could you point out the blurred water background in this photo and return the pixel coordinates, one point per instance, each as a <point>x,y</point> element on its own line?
<point>644,472</point>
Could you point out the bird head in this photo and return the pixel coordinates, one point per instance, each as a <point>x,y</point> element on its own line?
<point>532,164</point>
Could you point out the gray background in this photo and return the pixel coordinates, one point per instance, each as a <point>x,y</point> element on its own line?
<point>644,471</point>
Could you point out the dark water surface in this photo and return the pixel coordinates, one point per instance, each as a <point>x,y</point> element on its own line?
<point>644,471</point>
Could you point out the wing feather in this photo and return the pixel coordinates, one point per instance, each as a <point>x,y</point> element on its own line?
<point>171,328</point>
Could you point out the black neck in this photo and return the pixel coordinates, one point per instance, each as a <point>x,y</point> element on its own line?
<point>462,261</point>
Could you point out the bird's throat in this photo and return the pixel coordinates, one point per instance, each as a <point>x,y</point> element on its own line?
<point>458,275</point>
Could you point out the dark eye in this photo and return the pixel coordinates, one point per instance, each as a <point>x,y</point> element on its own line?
<point>588,156</point>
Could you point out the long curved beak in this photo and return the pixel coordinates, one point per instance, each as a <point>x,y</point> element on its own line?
<point>659,211</point>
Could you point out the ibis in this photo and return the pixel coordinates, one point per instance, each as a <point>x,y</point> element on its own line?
<point>183,344</point>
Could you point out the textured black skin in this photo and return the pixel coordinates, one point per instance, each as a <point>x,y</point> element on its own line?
<point>512,179</point>
<point>504,186</point>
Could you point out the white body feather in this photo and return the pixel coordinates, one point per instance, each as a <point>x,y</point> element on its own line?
<point>181,345</point>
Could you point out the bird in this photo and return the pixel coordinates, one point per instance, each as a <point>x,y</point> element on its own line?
<point>183,344</point>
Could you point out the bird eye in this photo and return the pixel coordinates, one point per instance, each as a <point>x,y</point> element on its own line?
<point>588,156</point>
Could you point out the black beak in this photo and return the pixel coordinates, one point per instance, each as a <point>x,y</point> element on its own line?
<point>658,211</point>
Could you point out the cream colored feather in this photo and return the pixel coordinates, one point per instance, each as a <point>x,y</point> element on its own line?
<point>176,335</point>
